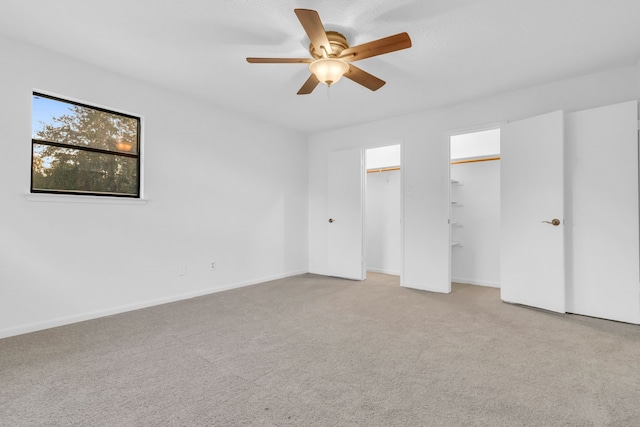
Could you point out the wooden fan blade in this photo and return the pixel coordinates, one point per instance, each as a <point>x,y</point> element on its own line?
<point>376,47</point>
<point>362,77</point>
<point>279,60</point>
<point>312,24</point>
<point>309,85</point>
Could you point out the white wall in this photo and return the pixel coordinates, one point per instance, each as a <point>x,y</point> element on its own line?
<point>638,75</point>
<point>382,222</point>
<point>426,162</point>
<point>218,187</point>
<point>485,143</point>
<point>383,157</point>
<point>477,259</point>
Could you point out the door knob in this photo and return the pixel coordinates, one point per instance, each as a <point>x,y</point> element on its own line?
<point>331,220</point>
<point>555,222</point>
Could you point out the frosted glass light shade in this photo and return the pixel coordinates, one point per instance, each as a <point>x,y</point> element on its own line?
<point>328,70</point>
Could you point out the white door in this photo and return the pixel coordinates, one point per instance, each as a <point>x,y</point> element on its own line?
<point>602,213</point>
<point>345,223</point>
<point>532,201</point>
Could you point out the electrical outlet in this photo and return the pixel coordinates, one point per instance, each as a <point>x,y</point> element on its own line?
<point>182,269</point>
<point>212,266</point>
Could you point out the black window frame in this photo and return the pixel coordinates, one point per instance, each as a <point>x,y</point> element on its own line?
<point>136,156</point>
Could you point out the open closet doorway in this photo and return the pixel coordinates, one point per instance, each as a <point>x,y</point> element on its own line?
<point>383,213</point>
<point>475,207</point>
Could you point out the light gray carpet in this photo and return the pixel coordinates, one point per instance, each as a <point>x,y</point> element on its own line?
<point>317,351</point>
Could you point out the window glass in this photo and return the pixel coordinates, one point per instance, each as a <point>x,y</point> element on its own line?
<point>81,149</point>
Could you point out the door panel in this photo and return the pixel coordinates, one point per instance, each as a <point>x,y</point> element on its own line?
<point>532,181</point>
<point>602,212</point>
<point>346,215</point>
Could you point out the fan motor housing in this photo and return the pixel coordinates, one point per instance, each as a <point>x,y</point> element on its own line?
<point>337,41</point>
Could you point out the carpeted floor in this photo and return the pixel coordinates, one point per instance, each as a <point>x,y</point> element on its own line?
<point>318,351</point>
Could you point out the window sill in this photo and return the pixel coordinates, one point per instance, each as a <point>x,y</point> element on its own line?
<point>98,200</point>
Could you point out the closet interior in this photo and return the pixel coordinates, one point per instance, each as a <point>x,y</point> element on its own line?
<point>475,207</point>
<point>382,210</point>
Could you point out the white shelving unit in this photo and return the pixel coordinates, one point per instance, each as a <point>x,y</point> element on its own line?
<point>453,223</point>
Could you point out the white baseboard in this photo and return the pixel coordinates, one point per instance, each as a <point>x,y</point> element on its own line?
<point>486,283</point>
<point>67,320</point>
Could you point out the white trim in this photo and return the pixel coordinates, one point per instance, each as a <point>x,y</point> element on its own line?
<point>402,269</point>
<point>363,215</point>
<point>449,207</point>
<point>67,320</point>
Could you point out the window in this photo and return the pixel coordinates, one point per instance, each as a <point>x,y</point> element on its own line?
<point>79,149</point>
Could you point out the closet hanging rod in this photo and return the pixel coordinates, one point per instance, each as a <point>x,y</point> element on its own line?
<point>395,168</point>
<point>486,159</point>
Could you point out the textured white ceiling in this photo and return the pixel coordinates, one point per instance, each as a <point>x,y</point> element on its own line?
<point>462,49</point>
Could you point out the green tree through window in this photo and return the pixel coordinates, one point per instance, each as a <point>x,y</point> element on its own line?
<point>79,149</point>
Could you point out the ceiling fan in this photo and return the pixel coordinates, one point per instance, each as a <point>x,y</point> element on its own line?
<point>332,56</point>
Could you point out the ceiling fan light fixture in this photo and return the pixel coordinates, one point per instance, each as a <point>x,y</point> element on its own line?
<point>329,70</point>
<point>332,57</point>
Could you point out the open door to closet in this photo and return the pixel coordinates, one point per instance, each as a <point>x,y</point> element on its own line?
<point>532,212</point>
